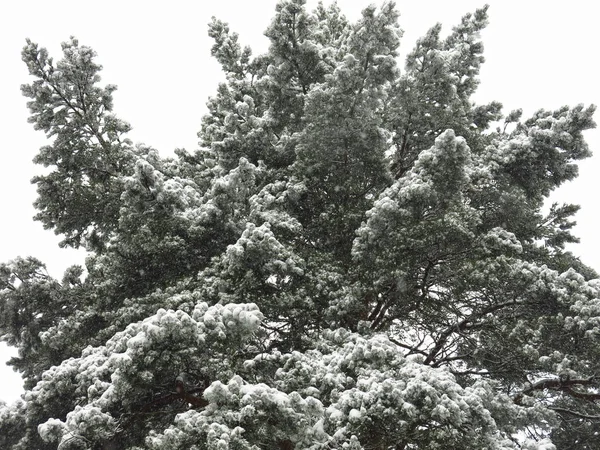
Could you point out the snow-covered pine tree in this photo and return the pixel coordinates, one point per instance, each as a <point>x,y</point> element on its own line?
<point>355,257</point>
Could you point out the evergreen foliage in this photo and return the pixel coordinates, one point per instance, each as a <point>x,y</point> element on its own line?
<point>356,257</point>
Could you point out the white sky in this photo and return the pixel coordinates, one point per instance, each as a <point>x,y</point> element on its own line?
<point>539,54</point>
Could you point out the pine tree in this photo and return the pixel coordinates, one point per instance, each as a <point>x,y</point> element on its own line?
<point>356,257</point>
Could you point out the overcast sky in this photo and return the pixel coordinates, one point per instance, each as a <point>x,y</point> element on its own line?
<point>539,54</point>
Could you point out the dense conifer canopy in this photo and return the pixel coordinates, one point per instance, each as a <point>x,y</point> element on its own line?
<point>356,257</point>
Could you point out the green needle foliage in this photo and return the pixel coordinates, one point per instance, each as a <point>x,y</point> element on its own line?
<point>355,257</point>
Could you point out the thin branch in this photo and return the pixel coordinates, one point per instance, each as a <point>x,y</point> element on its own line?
<point>574,413</point>
<point>408,347</point>
<point>467,322</point>
<point>561,385</point>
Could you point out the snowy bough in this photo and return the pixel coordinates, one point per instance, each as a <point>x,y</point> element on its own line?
<point>356,257</point>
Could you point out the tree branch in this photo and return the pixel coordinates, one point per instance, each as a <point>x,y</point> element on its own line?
<point>561,385</point>
<point>462,326</point>
<point>574,413</point>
